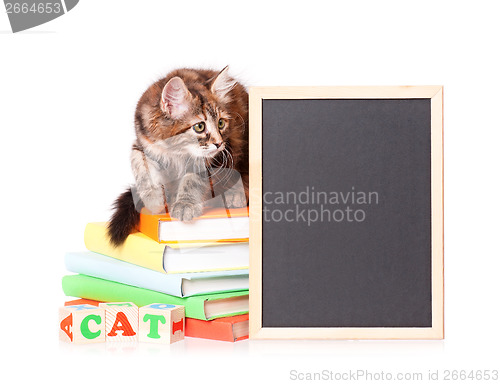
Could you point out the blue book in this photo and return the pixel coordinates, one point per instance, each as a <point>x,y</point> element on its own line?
<point>180,284</point>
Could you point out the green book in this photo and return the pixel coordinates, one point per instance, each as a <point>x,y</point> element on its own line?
<point>203,307</point>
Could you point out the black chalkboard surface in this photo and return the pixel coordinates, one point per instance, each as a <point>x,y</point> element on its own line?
<point>346,212</point>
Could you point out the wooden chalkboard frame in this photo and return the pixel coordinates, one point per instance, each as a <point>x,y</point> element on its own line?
<point>257,95</point>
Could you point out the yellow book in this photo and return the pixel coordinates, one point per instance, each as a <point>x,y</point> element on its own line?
<point>141,250</point>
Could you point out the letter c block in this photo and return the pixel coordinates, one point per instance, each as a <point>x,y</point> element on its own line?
<point>82,324</point>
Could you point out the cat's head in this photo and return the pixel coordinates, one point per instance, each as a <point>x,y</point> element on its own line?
<point>195,113</point>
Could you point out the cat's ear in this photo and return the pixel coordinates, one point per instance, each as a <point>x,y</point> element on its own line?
<point>175,98</point>
<point>222,83</point>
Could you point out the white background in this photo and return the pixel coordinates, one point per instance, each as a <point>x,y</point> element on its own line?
<point>68,90</point>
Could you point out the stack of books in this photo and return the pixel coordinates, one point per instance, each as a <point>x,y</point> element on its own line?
<point>202,265</point>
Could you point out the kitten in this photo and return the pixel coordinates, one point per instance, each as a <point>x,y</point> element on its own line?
<point>191,146</point>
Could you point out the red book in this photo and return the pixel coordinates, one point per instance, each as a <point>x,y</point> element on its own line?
<point>232,328</point>
<point>82,301</point>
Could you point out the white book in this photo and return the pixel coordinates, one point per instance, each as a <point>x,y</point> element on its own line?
<point>207,258</point>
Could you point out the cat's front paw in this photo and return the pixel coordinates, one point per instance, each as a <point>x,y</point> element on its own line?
<point>186,210</point>
<point>154,201</point>
<point>155,209</point>
<point>235,199</point>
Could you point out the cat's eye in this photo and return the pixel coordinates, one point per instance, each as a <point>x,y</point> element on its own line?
<point>222,124</point>
<point>199,127</point>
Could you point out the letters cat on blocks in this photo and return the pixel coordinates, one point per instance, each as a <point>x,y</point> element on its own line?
<point>124,321</point>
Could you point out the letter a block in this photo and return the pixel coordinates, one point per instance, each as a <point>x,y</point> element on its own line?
<point>161,323</point>
<point>122,321</point>
<point>82,324</point>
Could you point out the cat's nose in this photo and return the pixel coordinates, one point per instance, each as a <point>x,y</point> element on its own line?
<point>217,145</point>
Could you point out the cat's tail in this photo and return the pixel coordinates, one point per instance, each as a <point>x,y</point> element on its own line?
<point>125,218</point>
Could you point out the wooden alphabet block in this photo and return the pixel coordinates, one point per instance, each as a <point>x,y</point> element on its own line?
<point>161,323</point>
<point>82,324</point>
<point>122,321</point>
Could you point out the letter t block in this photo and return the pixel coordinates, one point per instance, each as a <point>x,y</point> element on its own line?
<point>161,323</point>
<point>122,321</point>
<point>82,324</point>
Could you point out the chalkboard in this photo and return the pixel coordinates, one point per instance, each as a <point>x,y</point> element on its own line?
<point>346,212</point>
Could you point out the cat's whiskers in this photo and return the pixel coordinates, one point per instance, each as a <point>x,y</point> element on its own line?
<point>230,157</point>
<point>218,167</point>
<point>226,168</point>
<point>242,119</point>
